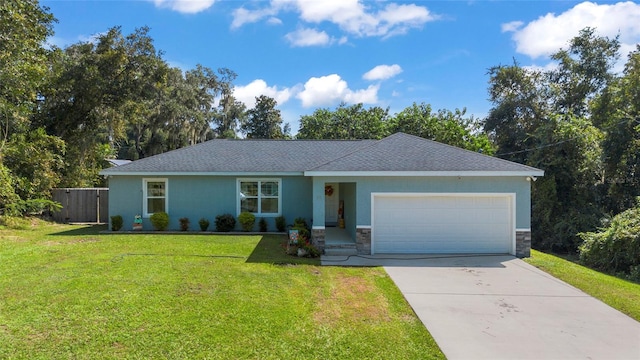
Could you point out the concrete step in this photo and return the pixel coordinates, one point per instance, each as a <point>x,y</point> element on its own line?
<point>340,251</point>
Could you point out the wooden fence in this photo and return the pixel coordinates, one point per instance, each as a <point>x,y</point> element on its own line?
<point>85,205</point>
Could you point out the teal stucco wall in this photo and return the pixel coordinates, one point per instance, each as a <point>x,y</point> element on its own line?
<point>364,186</point>
<point>196,197</point>
<point>208,196</point>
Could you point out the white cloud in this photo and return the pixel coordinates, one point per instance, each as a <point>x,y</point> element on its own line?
<point>332,89</point>
<point>511,26</point>
<point>382,72</point>
<point>308,37</point>
<point>551,32</point>
<point>243,16</point>
<point>352,16</point>
<point>185,6</point>
<point>248,93</point>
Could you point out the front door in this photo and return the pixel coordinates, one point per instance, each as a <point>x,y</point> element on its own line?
<point>331,204</point>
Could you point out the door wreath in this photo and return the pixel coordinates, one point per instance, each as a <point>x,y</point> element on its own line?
<point>328,190</point>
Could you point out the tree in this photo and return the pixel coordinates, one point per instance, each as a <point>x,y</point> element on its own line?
<point>445,126</point>
<point>95,91</point>
<point>584,69</point>
<point>36,160</point>
<point>617,109</point>
<point>264,120</point>
<point>231,112</point>
<point>345,122</point>
<point>519,105</point>
<point>546,119</point>
<point>24,27</point>
<point>566,199</point>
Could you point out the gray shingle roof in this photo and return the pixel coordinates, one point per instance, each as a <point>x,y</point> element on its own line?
<point>402,152</point>
<point>395,153</point>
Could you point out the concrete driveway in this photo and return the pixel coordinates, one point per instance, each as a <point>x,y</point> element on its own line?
<point>499,307</point>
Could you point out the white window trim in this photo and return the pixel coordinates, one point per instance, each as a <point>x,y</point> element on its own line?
<point>259,180</point>
<point>145,210</point>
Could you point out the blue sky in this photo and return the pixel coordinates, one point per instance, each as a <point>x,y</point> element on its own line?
<point>309,54</point>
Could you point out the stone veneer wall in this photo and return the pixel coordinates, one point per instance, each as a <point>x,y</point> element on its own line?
<point>363,241</point>
<point>317,239</point>
<point>523,243</point>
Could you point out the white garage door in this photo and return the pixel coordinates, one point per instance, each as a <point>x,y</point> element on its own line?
<point>442,223</point>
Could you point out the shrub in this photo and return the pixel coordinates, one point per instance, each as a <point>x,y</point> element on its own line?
<point>204,224</point>
<point>184,224</point>
<point>32,207</point>
<point>300,222</point>
<point>311,251</point>
<point>160,221</point>
<point>225,223</point>
<point>116,223</point>
<point>281,224</point>
<point>616,248</point>
<point>247,220</point>
<point>262,224</point>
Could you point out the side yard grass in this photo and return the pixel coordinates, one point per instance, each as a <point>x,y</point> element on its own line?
<point>71,292</point>
<point>618,293</point>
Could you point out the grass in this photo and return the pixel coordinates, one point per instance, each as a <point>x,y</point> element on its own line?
<point>618,293</point>
<point>71,292</point>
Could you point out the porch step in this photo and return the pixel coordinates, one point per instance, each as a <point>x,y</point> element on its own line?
<point>340,249</point>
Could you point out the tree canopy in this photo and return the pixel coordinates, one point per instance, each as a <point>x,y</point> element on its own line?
<point>579,122</point>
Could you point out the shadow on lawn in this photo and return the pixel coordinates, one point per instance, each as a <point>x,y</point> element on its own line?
<point>270,250</point>
<point>85,230</point>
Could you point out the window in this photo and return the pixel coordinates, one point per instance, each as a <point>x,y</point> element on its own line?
<point>259,196</point>
<point>155,197</point>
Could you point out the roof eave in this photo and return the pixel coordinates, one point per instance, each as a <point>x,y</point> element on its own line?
<point>427,173</point>
<point>203,173</point>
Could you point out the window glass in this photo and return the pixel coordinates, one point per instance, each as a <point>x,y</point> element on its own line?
<point>259,196</point>
<point>155,196</point>
<point>269,188</point>
<point>249,205</point>
<point>249,188</point>
<point>155,205</point>
<point>269,205</point>
<point>155,188</point>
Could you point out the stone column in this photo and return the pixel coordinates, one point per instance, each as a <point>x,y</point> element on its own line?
<point>523,243</point>
<point>363,240</point>
<point>317,237</point>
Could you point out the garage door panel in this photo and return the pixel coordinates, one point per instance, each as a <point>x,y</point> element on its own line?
<point>442,224</point>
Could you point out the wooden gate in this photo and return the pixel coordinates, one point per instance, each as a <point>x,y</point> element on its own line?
<point>82,205</point>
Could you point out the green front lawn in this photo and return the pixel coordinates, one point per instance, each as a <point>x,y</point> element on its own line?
<point>70,292</point>
<point>620,294</point>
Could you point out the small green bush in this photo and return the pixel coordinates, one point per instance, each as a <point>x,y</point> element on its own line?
<point>160,221</point>
<point>116,222</point>
<point>225,223</point>
<point>616,248</point>
<point>204,224</point>
<point>32,207</point>
<point>184,223</point>
<point>246,220</point>
<point>281,224</point>
<point>301,222</point>
<point>262,224</point>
